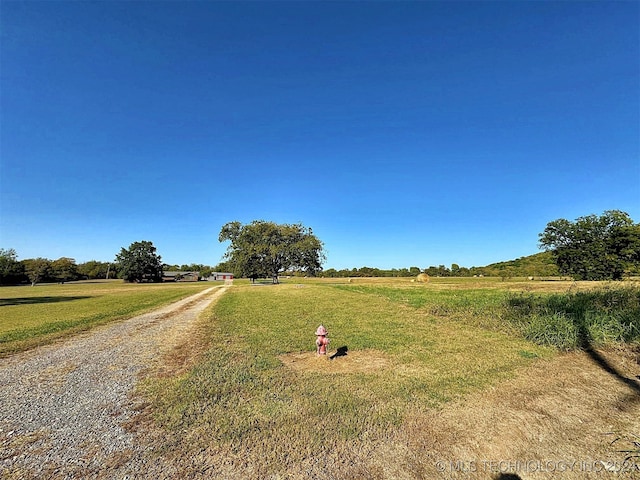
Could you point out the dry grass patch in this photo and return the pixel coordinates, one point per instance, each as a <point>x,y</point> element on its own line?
<point>557,412</point>
<point>364,361</point>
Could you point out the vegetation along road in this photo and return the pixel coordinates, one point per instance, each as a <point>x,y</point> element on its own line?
<point>65,406</point>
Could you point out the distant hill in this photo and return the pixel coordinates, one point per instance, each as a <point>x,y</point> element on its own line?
<point>537,265</point>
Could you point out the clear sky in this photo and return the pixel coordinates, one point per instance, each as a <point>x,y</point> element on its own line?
<point>403,133</point>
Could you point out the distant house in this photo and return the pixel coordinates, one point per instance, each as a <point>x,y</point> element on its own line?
<point>217,276</point>
<point>180,276</point>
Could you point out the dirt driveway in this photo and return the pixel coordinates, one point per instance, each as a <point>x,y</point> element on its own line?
<point>64,405</point>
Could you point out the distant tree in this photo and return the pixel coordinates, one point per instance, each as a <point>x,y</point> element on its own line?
<point>226,267</point>
<point>594,247</point>
<point>94,269</point>
<point>264,248</point>
<point>331,273</point>
<point>64,269</point>
<point>507,272</point>
<point>439,271</point>
<point>463,272</point>
<point>367,271</point>
<point>11,270</point>
<point>139,262</point>
<point>206,272</point>
<point>37,269</point>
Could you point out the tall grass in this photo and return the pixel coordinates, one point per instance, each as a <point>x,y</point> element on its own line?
<point>577,319</point>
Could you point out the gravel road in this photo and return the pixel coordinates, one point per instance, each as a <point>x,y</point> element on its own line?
<point>63,406</point>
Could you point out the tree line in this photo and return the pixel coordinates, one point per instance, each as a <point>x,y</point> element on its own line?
<point>538,265</point>
<point>604,247</point>
<point>65,269</point>
<point>38,270</point>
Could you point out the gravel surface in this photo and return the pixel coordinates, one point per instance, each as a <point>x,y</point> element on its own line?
<point>64,406</point>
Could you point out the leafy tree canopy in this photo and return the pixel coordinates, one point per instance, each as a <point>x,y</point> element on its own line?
<point>262,249</point>
<point>594,247</point>
<point>37,269</point>
<point>139,263</point>
<point>11,270</point>
<point>64,269</point>
<point>94,269</point>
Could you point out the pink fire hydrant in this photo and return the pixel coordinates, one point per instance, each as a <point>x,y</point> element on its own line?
<point>321,340</point>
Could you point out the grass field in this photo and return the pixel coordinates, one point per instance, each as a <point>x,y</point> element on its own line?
<point>255,401</point>
<point>261,397</point>
<point>31,316</point>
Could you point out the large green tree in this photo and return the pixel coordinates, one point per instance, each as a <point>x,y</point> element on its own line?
<point>64,269</point>
<point>139,262</point>
<point>594,247</point>
<point>262,249</point>
<point>37,269</point>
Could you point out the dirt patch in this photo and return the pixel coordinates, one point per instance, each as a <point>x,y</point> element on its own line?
<point>181,355</point>
<point>339,361</point>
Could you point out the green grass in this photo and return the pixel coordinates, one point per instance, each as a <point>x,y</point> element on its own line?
<point>468,302</point>
<point>243,402</point>
<point>31,316</point>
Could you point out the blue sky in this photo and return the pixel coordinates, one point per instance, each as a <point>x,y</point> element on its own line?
<point>403,133</point>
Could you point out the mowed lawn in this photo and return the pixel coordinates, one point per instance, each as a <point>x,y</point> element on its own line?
<point>31,316</point>
<point>260,400</point>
